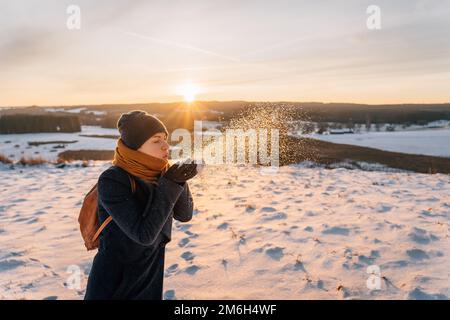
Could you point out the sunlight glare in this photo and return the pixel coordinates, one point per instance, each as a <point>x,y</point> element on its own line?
<point>188,91</point>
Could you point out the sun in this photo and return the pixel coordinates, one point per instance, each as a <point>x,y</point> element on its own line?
<point>188,91</point>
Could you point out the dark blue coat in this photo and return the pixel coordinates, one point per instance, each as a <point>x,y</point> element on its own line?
<point>129,263</point>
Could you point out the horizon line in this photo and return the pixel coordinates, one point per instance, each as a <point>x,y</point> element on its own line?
<point>218,101</point>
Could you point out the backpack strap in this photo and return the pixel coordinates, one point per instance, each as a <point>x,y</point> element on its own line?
<point>108,220</point>
<point>104,224</point>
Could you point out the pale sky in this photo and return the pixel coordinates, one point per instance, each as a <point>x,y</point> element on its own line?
<point>260,50</point>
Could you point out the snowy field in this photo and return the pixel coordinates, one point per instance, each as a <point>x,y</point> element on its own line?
<point>15,146</point>
<point>300,234</point>
<point>432,142</point>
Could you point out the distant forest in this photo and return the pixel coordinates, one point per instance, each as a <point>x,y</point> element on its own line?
<point>23,123</point>
<point>356,113</point>
<point>181,115</point>
<point>310,111</point>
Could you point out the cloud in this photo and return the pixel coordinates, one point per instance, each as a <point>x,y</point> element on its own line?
<point>181,46</point>
<point>26,45</point>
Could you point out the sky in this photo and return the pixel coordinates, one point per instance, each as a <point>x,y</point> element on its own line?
<point>256,50</point>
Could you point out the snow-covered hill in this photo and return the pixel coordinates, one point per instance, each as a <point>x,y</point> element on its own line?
<point>431,142</point>
<point>300,234</point>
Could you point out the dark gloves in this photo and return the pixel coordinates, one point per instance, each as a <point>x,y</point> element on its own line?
<point>180,173</point>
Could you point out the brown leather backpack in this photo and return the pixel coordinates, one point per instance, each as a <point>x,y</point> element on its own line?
<point>88,219</point>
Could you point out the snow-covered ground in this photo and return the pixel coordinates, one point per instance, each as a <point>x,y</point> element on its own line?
<point>18,143</point>
<point>299,234</point>
<point>76,110</point>
<point>432,142</point>
<point>14,146</point>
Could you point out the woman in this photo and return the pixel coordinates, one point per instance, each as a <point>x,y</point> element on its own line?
<point>130,259</point>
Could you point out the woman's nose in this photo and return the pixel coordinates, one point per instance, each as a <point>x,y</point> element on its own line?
<point>165,146</point>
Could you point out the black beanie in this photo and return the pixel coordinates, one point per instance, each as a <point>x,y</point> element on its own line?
<point>138,126</point>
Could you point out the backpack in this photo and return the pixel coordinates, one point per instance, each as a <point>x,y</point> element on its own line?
<point>88,219</point>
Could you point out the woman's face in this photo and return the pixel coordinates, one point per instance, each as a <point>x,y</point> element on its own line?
<point>156,146</point>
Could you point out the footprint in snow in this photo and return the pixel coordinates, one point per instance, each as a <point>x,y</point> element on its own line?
<point>275,253</point>
<point>276,216</point>
<point>169,295</point>
<point>171,270</point>
<point>188,256</point>
<point>342,231</point>
<point>9,264</point>
<point>223,226</point>
<point>183,242</point>
<point>383,207</point>
<point>417,254</point>
<point>421,236</point>
<point>419,294</point>
<point>192,269</point>
<point>267,209</point>
<point>184,226</point>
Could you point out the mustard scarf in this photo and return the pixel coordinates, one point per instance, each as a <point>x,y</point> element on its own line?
<point>139,164</point>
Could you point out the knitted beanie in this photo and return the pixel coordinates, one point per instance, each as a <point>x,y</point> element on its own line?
<point>138,126</point>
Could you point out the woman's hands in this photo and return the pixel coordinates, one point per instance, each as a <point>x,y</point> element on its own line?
<point>181,172</point>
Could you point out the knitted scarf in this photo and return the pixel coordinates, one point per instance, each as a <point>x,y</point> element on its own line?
<point>139,164</point>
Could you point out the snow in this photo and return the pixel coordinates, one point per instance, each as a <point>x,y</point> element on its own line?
<point>432,142</point>
<point>50,153</point>
<point>97,113</point>
<point>438,124</point>
<point>76,110</point>
<point>45,150</point>
<point>306,232</point>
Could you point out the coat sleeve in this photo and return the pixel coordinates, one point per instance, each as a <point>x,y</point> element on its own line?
<point>184,206</point>
<point>143,227</point>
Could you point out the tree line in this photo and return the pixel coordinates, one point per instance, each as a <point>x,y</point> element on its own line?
<point>23,123</point>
